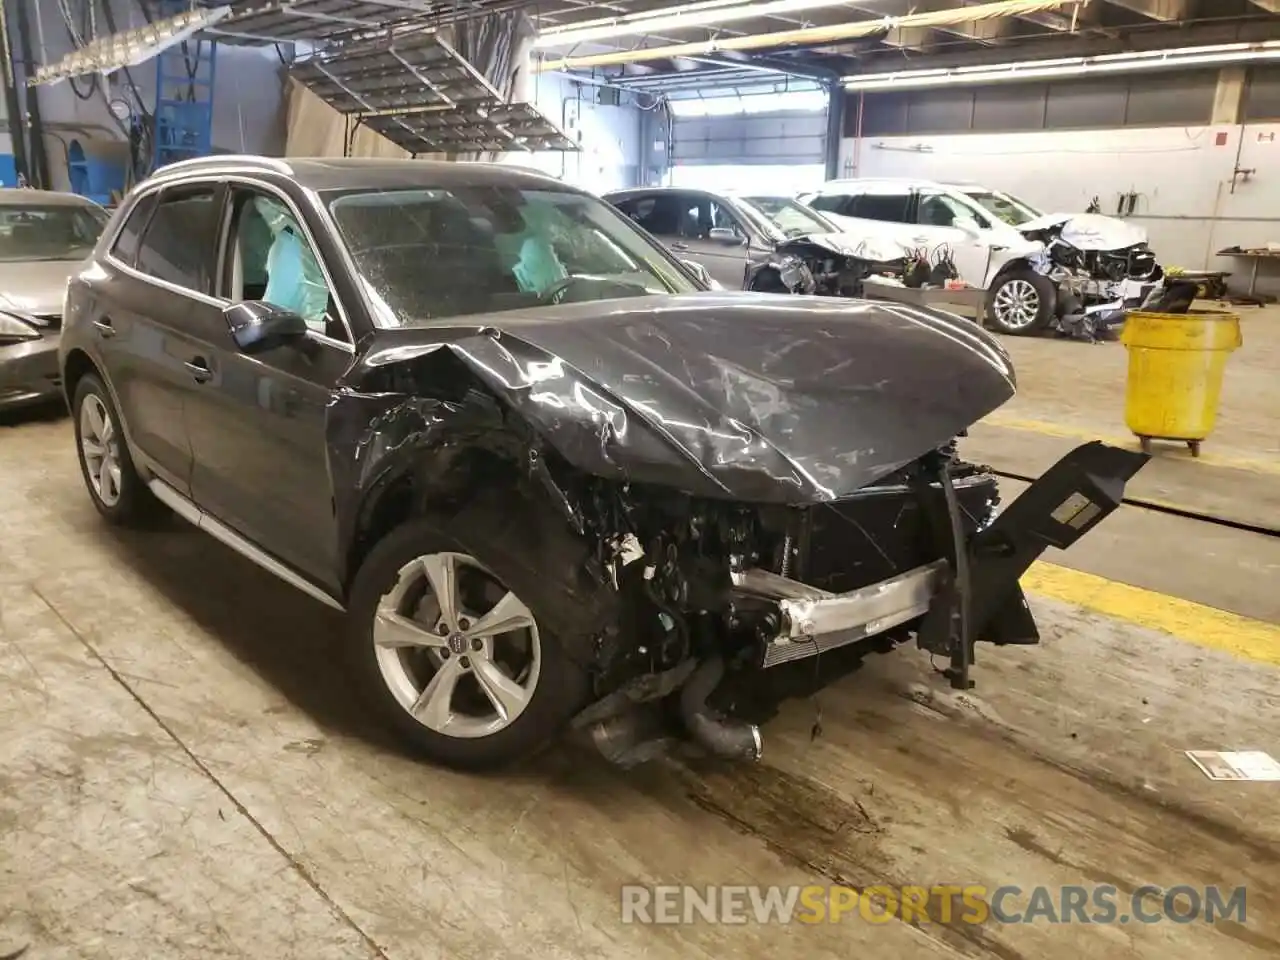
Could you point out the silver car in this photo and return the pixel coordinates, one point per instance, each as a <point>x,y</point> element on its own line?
<point>44,237</point>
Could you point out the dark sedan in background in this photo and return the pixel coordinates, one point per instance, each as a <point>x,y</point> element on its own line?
<point>44,236</point>
<point>758,242</point>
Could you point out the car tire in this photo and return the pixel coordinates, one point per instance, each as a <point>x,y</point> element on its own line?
<point>1021,302</point>
<point>393,681</point>
<point>117,491</point>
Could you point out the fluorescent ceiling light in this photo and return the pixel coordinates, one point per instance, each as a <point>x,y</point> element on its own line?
<point>1067,66</point>
<point>703,14</point>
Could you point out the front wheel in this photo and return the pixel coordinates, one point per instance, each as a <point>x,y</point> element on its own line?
<point>451,658</point>
<point>1021,302</point>
<point>114,485</point>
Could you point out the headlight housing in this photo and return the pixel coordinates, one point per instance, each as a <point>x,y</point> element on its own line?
<point>13,330</point>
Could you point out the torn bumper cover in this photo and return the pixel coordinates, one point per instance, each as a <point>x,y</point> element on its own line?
<point>1068,501</point>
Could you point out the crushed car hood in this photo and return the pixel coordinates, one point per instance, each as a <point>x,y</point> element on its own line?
<point>754,397</point>
<point>1089,231</point>
<point>35,287</point>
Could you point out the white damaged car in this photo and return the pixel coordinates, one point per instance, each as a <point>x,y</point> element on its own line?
<point>1074,273</point>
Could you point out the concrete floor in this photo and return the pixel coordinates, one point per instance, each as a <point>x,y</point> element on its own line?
<point>183,775</point>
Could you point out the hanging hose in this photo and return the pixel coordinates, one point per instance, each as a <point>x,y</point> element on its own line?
<point>731,739</point>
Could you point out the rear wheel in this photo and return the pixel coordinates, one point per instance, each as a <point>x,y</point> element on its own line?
<point>1021,302</point>
<point>451,658</point>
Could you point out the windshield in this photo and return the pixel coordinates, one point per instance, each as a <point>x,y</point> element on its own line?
<point>792,218</point>
<point>30,231</point>
<point>426,254</point>
<point>1003,206</point>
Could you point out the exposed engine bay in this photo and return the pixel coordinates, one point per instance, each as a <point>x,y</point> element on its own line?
<point>826,265</point>
<point>1101,267</point>
<point>721,501</point>
<point>718,599</point>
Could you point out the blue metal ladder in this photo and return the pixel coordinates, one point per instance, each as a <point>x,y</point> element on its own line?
<point>184,96</point>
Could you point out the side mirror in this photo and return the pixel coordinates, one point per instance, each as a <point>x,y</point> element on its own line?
<point>726,236</point>
<point>257,326</point>
<point>698,270</point>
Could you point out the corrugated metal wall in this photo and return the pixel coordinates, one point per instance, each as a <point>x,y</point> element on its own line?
<point>1091,104</point>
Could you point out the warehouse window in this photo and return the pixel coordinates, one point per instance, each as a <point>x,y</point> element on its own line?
<point>763,101</point>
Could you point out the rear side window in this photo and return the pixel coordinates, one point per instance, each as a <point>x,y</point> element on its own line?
<point>125,248</point>
<point>832,203</point>
<point>891,207</point>
<point>657,213</point>
<point>180,241</point>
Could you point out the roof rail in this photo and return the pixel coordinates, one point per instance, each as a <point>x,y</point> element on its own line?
<point>219,159</point>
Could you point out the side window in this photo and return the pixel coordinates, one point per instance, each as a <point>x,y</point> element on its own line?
<point>125,248</point>
<point>890,207</point>
<point>699,215</point>
<point>833,203</point>
<point>940,210</point>
<point>269,258</point>
<point>178,246</point>
<point>656,213</point>
<point>637,208</point>
<point>722,219</point>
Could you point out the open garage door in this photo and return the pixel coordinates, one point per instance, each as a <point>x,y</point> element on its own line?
<point>749,140</point>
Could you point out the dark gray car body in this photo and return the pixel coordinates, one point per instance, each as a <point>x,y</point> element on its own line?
<point>716,420</point>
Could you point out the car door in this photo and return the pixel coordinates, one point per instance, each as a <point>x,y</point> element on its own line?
<point>672,216</point>
<point>950,224</point>
<point>161,275</point>
<point>715,237</point>
<point>258,425</point>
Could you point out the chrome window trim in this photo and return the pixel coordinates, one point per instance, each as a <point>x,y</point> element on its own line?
<point>246,177</point>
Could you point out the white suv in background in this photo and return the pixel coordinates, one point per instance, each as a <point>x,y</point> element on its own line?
<point>1034,266</point>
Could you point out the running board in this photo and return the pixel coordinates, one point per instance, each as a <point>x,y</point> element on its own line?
<point>188,511</point>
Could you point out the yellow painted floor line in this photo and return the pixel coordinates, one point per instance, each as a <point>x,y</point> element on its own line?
<point>1193,622</point>
<point>1069,432</point>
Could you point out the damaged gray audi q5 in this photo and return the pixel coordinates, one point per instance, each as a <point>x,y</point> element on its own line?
<point>550,478</point>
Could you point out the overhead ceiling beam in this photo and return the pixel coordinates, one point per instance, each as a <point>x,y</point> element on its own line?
<point>785,65</point>
<point>811,37</point>
<point>1050,20</point>
<point>1163,10</point>
<point>1271,6</point>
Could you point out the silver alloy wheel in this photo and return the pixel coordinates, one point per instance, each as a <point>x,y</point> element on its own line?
<point>1017,304</point>
<point>100,449</point>
<point>459,671</point>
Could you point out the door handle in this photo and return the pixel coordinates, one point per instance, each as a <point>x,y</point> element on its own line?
<point>200,371</point>
<point>920,239</point>
<point>104,328</point>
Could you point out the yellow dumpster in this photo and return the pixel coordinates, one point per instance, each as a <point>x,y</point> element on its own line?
<point>1176,363</point>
